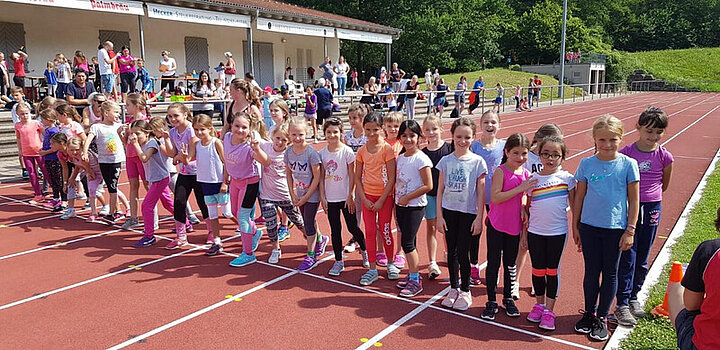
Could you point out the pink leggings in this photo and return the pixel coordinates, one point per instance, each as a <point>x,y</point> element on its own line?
<point>29,162</point>
<point>382,219</point>
<point>158,191</point>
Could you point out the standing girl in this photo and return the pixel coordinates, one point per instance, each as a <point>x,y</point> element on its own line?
<point>311,110</point>
<point>337,192</point>
<point>355,138</point>
<point>606,210</point>
<point>548,228</point>
<point>29,136</point>
<point>64,75</point>
<point>52,164</point>
<point>414,180</point>
<point>461,192</point>
<point>505,222</point>
<point>375,178</point>
<point>148,150</point>
<point>88,164</point>
<point>51,78</point>
<point>436,149</point>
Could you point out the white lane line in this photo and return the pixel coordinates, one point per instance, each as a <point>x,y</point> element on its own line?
<point>209,308</point>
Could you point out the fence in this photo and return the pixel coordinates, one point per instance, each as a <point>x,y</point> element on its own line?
<point>675,86</point>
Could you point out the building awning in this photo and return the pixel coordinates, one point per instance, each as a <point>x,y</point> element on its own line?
<point>274,25</point>
<point>114,6</point>
<point>364,36</point>
<point>182,14</point>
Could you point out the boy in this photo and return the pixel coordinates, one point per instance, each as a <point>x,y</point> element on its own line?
<point>144,77</point>
<point>355,138</point>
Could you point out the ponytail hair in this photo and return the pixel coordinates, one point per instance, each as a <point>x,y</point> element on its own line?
<point>515,140</point>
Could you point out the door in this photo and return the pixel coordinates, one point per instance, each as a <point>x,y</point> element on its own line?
<point>119,39</point>
<point>12,38</point>
<point>196,55</point>
<point>263,62</point>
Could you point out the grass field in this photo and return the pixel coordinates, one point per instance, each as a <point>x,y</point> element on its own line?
<point>657,333</point>
<point>694,68</point>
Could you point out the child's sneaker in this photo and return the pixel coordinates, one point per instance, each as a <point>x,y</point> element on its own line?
<point>307,263</point>
<point>365,259</point>
<point>399,261</point>
<point>433,271</point>
<point>510,308</point>
<point>256,238</point>
<point>69,213</point>
<point>91,218</point>
<point>283,233</point>
<point>536,313</point>
<point>337,268</point>
<point>129,224</point>
<point>491,308</point>
<point>412,288</point>
<point>105,210</point>
<point>193,219</point>
<point>37,200</point>
<point>350,246</point>
<point>474,275</point>
<point>586,323</point>
<point>176,243</point>
<point>52,203</point>
<point>463,302</point>
<point>214,249</point>
<point>393,272</point>
<point>450,298</point>
<point>624,317</point>
<point>260,220</point>
<point>381,259</point>
<point>320,246</point>
<point>369,277</point>
<point>275,256</point>
<point>403,282</point>
<point>210,238</point>
<point>25,174</point>
<point>599,329</point>
<point>59,208</point>
<point>145,242</point>
<point>243,260</point>
<point>547,321</point>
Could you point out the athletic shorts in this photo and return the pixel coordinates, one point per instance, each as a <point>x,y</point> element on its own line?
<point>684,325</point>
<point>212,194</point>
<point>134,167</point>
<point>431,208</point>
<point>310,116</point>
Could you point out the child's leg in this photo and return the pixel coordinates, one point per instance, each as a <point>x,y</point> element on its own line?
<point>494,252</point>
<point>309,210</point>
<point>292,214</point>
<point>111,174</point>
<point>610,262</point>
<point>134,195</point>
<point>384,219</point>
<point>520,261</point>
<point>199,198</point>
<point>183,187</point>
<point>30,167</point>
<point>154,194</point>
<point>269,212</point>
<point>353,227</point>
<point>54,170</point>
<point>333,214</point>
<point>245,215</point>
<point>593,258</point>
<point>555,247</point>
<point>644,238</point>
<point>93,186</point>
<point>464,226</point>
<point>188,209</point>
<point>451,240</point>
<point>538,247</point>
<point>510,252</point>
<point>408,221</point>
<point>370,233</point>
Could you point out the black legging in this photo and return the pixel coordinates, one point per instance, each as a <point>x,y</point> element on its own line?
<point>408,222</point>
<point>183,186</point>
<point>169,82</point>
<point>457,237</point>
<point>54,169</point>
<point>500,244</point>
<point>333,213</point>
<point>475,242</point>
<point>545,253</point>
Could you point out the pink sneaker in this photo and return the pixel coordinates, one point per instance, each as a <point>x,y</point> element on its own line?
<point>474,275</point>
<point>210,238</point>
<point>176,243</point>
<point>399,261</point>
<point>536,313</point>
<point>548,321</point>
<point>381,259</point>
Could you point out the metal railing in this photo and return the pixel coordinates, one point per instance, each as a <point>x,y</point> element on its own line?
<point>675,85</point>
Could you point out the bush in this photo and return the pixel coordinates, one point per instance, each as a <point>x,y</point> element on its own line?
<point>515,67</point>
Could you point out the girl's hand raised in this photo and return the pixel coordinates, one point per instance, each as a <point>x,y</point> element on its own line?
<point>254,143</point>
<point>528,184</point>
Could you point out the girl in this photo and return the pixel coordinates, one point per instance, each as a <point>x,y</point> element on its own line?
<point>548,228</point>
<point>490,148</point>
<point>148,150</point>
<point>337,192</point>
<point>460,194</point>
<point>242,174</point>
<point>110,154</point>
<point>303,178</point>
<point>280,114</point>
<point>203,90</point>
<point>499,99</point>
<point>29,136</point>
<point>436,149</point>
<point>414,180</point>
<point>52,164</point>
<point>87,163</point>
<point>606,209</point>
<point>243,98</point>
<point>375,178</point>
<point>276,194</point>
<point>208,151</point>
<point>51,78</point>
<point>80,61</point>
<point>134,166</point>
<point>64,75</point>
<point>505,222</point>
<point>355,138</point>
<point>518,90</point>
<point>180,137</point>
<point>311,110</point>
<point>59,143</point>
<point>411,88</point>
<point>460,95</point>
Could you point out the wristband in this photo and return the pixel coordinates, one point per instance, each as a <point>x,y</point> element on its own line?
<point>630,233</point>
<point>631,226</point>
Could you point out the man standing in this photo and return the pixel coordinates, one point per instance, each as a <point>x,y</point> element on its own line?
<point>537,85</point>
<point>476,94</point>
<point>107,78</point>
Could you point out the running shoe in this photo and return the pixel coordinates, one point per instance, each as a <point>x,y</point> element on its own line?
<point>536,313</point>
<point>193,219</point>
<point>176,243</point>
<point>337,268</point>
<point>214,249</point>
<point>381,259</point>
<point>307,263</point>
<point>637,309</point>
<point>547,322</point>
<point>25,174</point>
<point>369,277</point>
<point>321,245</point>
<point>474,275</point>
<point>510,308</point>
<point>105,210</point>
<point>243,260</point>
<point>450,298</point>
<point>393,272</point>
<point>59,208</point>
<point>283,233</point>
<point>433,271</point>
<point>624,317</point>
<point>599,329</point>
<point>585,324</point>
<point>145,242</point>
<point>403,282</point>
<point>37,200</point>
<point>129,224</point>
<point>491,308</point>
<point>91,218</point>
<point>275,256</point>
<point>69,213</point>
<point>412,289</point>
<point>365,259</point>
<point>399,261</point>
<point>463,302</point>
<point>256,238</point>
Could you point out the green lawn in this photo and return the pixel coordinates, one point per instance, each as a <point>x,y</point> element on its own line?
<point>657,333</point>
<point>687,67</point>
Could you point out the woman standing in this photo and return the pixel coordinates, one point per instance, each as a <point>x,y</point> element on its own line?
<point>230,70</point>
<point>128,72</point>
<point>342,69</point>
<point>167,68</point>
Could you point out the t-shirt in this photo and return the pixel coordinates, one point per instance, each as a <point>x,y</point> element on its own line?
<point>64,75</point>
<point>19,67</point>
<point>239,161</point>
<point>310,108</point>
<point>460,179</point>
<point>703,276</point>
<point>109,145</point>
<point>29,134</point>
<point>181,140</point>
<point>129,66</point>
<point>408,178</point>
<point>435,157</point>
<point>273,182</point>
<point>537,83</point>
<point>327,70</point>
<point>355,142</point>
<point>49,132</point>
<point>79,93</point>
<point>606,200</point>
<point>549,202</point>
<point>493,157</point>
<point>396,146</point>
<point>74,129</point>
<point>203,91</point>
<point>156,167</point>
<point>428,78</point>
<point>533,163</point>
<point>105,68</point>
<point>324,99</point>
<point>337,179</point>
<point>651,165</point>
<point>50,77</point>
<point>301,167</point>
<point>375,176</point>
<point>342,69</point>
<point>478,85</point>
<point>169,63</point>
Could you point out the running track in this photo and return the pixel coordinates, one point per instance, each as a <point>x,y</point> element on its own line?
<point>68,284</point>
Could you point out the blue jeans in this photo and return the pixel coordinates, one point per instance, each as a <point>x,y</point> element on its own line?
<point>634,261</point>
<point>601,254</point>
<point>342,83</point>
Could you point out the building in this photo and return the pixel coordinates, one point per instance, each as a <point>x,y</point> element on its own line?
<point>590,76</point>
<point>265,36</point>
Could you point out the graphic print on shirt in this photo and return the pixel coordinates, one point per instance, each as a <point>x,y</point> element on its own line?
<point>331,168</point>
<point>457,183</point>
<point>302,167</point>
<point>645,166</point>
<point>550,191</point>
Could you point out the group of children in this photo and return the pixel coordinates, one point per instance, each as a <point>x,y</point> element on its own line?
<point>514,189</point>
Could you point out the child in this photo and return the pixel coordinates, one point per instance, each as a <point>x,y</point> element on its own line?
<point>375,178</point>
<point>144,77</point>
<point>436,149</point>
<point>490,148</point>
<point>505,222</point>
<point>52,164</point>
<point>111,153</point>
<point>414,180</point>
<point>180,137</point>
<point>606,209</point>
<point>29,136</point>
<point>50,78</point>
<point>656,166</point>
<point>518,90</point>
<point>280,114</point>
<point>303,179</point>
<point>311,110</point>
<point>337,192</point>
<point>87,163</point>
<point>207,150</point>
<point>355,138</point>
<point>147,149</point>
<point>499,99</point>
<point>548,228</point>
<point>222,94</point>
<point>18,97</point>
<point>58,142</point>
<point>134,166</point>
<point>391,100</point>
<point>391,125</point>
<point>460,195</point>
<point>64,75</point>
<point>265,101</point>
<point>276,194</point>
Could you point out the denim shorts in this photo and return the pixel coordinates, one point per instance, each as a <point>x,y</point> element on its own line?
<point>108,81</point>
<point>431,208</point>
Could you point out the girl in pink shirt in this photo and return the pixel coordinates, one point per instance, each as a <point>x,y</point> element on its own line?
<point>29,134</point>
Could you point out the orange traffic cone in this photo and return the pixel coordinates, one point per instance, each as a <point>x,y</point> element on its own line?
<point>676,275</point>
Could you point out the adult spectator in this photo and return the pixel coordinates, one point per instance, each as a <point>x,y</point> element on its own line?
<point>107,78</point>
<point>327,69</point>
<point>250,78</point>
<point>230,70</point>
<point>428,78</point>
<point>695,303</point>
<point>342,69</point>
<point>4,76</point>
<point>324,102</point>
<point>537,85</point>
<point>476,94</point>
<point>459,97</point>
<point>128,71</point>
<point>78,92</point>
<point>167,69</point>
<point>18,59</point>
<point>92,113</point>
<point>80,61</point>
<point>412,89</point>
<point>396,74</point>
<point>203,90</point>
<point>370,91</point>
<point>440,100</point>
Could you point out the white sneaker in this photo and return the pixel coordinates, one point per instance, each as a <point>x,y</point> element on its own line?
<point>463,302</point>
<point>69,213</point>
<point>275,256</point>
<point>450,298</point>
<point>105,210</point>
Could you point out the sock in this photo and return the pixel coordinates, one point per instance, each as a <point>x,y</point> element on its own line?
<point>217,240</point>
<point>318,237</point>
<point>208,225</point>
<point>415,276</point>
<point>247,243</point>
<point>311,254</point>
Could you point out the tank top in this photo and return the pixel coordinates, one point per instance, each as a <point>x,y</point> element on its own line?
<point>209,165</point>
<point>93,118</point>
<point>505,217</point>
